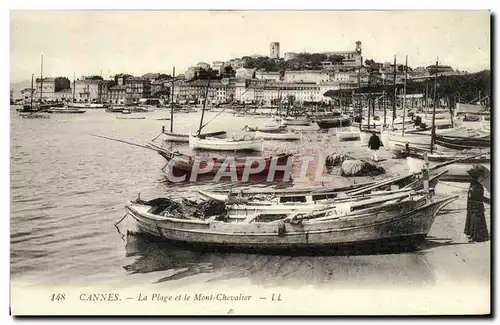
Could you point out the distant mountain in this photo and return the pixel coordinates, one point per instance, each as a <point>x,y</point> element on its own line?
<point>18,86</point>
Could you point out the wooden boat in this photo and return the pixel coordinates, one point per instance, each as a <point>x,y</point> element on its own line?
<point>349,134</point>
<point>183,163</point>
<point>131,118</point>
<point>313,196</point>
<point>78,105</point>
<point>184,137</point>
<point>463,143</point>
<point>334,122</point>
<point>392,223</point>
<point>266,128</point>
<point>244,143</point>
<point>115,109</point>
<point>295,121</point>
<point>96,105</point>
<point>126,111</point>
<point>458,171</point>
<point>278,135</point>
<point>66,110</point>
<point>34,115</point>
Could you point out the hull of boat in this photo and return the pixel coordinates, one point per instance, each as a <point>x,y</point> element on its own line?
<point>183,164</point>
<point>66,111</point>
<point>277,135</point>
<point>390,224</point>
<point>175,137</point>
<point>296,122</point>
<point>184,137</point>
<point>457,172</point>
<point>348,135</point>
<point>78,105</point>
<point>225,144</point>
<point>333,123</point>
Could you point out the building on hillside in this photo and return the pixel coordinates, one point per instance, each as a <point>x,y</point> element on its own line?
<point>236,63</point>
<point>203,65</point>
<point>268,75</point>
<point>191,72</point>
<point>289,56</point>
<point>219,67</point>
<point>352,57</point>
<point>316,76</point>
<point>244,73</point>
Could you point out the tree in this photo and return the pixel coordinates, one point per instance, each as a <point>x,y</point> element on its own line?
<point>95,77</point>
<point>206,74</point>
<point>228,72</point>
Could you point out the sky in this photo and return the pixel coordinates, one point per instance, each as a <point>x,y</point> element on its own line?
<point>138,42</point>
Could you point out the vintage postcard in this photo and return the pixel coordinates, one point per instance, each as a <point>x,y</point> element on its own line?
<point>250,162</point>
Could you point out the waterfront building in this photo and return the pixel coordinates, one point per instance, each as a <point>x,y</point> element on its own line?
<point>137,88</point>
<point>87,90</point>
<point>49,86</point>
<point>117,94</point>
<point>26,93</point>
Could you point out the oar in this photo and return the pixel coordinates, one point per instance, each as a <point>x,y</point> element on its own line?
<point>123,141</point>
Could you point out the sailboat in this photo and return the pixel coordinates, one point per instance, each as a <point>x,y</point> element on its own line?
<point>244,143</point>
<point>34,113</point>
<point>476,154</point>
<point>178,136</point>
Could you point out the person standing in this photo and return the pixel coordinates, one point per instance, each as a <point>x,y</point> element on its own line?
<point>374,144</point>
<point>475,223</point>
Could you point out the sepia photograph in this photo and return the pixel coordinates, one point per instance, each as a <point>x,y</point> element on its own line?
<point>245,162</point>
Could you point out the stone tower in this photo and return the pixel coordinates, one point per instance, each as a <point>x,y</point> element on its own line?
<point>274,50</point>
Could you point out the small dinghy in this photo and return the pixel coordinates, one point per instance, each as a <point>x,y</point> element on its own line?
<point>244,143</point>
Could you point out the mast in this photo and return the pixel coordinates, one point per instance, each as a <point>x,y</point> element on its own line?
<point>370,99</point>
<point>360,101</point>
<point>74,86</point>
<point>404,95</point>
<point>172,103</point>
<point>41,80</point>
<point>32,90</point>
<point>383,103</point>
<point>433,132</point>
<point>395,94</point>
<point>204,105</point>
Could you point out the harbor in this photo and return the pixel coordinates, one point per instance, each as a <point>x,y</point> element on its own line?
<point>102,173</point>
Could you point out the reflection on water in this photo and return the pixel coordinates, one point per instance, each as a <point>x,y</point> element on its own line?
<point>275,270</point>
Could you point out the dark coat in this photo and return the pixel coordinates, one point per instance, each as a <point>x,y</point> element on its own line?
<point>475,224</point>
<point>375,143</point>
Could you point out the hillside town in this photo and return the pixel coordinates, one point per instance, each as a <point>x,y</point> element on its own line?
<point>300,78</point>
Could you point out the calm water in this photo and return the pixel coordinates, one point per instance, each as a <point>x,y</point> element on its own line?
<point>68,189</point>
